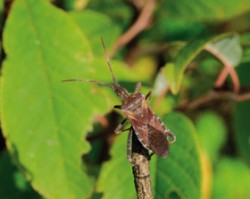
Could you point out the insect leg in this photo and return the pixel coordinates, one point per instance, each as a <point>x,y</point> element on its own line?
<point>129,145</point>
<point>151,154</point>
<point>170,136</point>
<point>138,87</point>
<point>117,106</point>
<point>173,137</point>
<point>148,96</point>
<point>119,129</point>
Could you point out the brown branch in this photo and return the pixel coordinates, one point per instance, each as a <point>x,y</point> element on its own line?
<point>141,172</point>
<point>140,24</point>
<point>214,96</point>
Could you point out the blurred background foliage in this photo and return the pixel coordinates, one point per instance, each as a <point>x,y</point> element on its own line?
<point>57,138</point>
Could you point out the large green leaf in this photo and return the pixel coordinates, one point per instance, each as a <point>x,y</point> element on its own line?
<point>211,132</point>
<point>174,73</point>
<point>74,4</point>
<point>231,179</point>
<point>241,117</point>
<point>116,179</point>
<point>185,20</point>
<point>98,25</point>
<point>177,175</point>
<point>200,10</point>
<point>245,42</point>
<point>119,10</point>
<point>43,119</point>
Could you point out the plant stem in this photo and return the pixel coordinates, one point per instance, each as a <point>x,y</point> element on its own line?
<point>212,96</point>
<point>139,25</point>
<point>228,69</point>
<point>141,172</point>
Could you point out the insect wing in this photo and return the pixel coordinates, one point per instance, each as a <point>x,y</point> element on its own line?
<point>140,127</point>
<point>146,111</point>
<point>157,141</point>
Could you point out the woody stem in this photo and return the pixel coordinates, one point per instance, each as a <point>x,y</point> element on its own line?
<point>141,172</point>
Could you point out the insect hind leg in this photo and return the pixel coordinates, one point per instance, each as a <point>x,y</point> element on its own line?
<point>171,137</point>
<point>129,146</point>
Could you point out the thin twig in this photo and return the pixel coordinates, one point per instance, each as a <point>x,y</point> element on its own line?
<point>214,96</point>
<point>140,24</point>
<point>228,69</point>
<point>141,171</point>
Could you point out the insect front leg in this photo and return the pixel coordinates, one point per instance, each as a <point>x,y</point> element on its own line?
<point>148,96</point>
<point>138,87</point>
<point>119,128</point>
<point>118,106</point>
<point>151,154</point>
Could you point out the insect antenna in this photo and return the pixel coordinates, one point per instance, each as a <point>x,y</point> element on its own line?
<point>114,86</point>
<point>94,81</point>
<point>108,62</point>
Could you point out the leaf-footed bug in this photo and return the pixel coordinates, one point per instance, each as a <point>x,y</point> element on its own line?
<point>148,127</point>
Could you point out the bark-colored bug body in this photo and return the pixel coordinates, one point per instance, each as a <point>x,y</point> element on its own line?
<point>148,127</point>
<point>150,130</point>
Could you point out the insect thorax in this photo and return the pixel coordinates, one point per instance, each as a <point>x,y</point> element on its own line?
<point>133,102</point>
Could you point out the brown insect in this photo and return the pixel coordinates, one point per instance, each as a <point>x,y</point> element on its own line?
<point>148,127</point>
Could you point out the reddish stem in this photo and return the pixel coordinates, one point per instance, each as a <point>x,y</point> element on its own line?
<point>140,24</point>
<point>227,69</point>
<point>221,78</point>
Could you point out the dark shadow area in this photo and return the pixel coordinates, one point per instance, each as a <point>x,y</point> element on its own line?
<point>12,183</point>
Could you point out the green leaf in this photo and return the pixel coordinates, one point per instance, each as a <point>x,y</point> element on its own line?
<point>245,42</point>
<point>177,175</point>
<point>200,10</point>
<point>75,4</point>
<point>180,173</point>
<point>185,20</point>
<point>146,65</point>
<point>241,116</point>
<point>12,183</point>
<point>98,25</point>
<point>160,84</point>
<point>43,119</point>
<point>187,54</point>
<point>211,132</point>
<point>231,179</point>
<point>168,72</point>
<point>116,179</point>
<point>228,48</point>
<point>119,11</point>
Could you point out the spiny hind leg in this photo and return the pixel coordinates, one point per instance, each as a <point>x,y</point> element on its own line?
<point>129,145</point>
<point>171,137</point>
